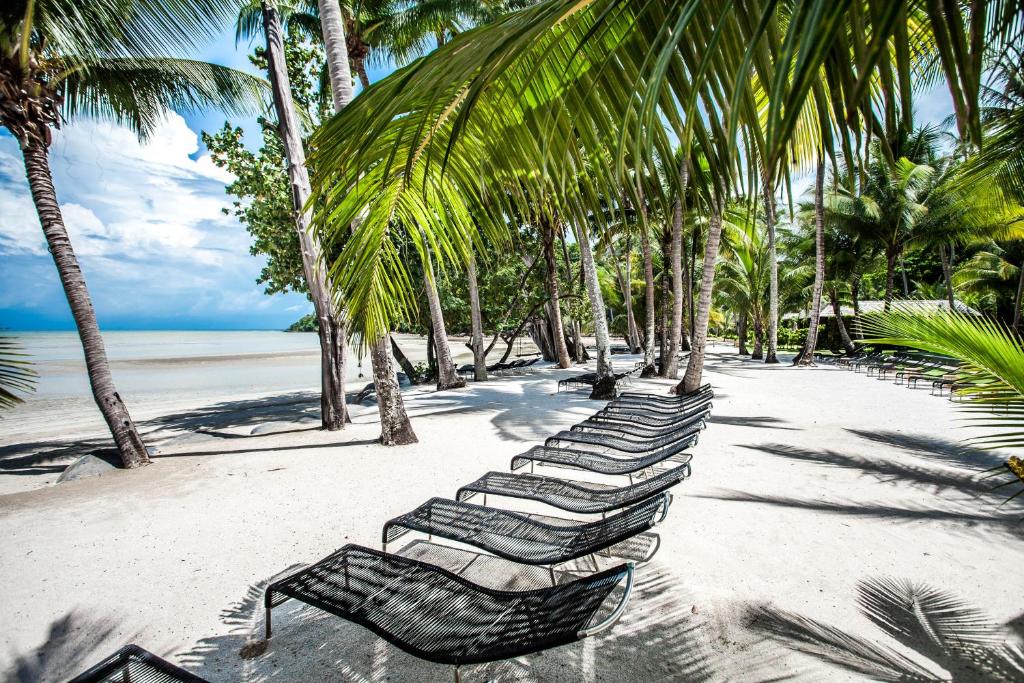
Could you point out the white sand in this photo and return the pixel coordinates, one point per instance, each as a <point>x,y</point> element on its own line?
<point>806,482</point>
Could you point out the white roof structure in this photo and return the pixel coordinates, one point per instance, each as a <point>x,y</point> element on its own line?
<point>906,305</point>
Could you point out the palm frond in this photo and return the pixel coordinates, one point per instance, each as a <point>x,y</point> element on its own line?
<point>16,373</point>
<point>992,374</point>
<point>138,92</point>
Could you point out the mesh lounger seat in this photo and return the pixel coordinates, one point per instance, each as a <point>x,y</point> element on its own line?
<point>623,443</point>
<point>648,418</point>
<point>132,664</point>
<point>572,496</point>
<point>633,403</point>
<point>441,617</point>
<point>519,538</point>
<point>636,431</point>
<point>602,463</point>
<point>671,400</point>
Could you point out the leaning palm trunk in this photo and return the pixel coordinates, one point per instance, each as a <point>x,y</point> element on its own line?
<point>547,234</point>
<point>1017,302</point>
<point>122,428</point>
<point>649,312</point>
<point>447,375</point>
<point>947,273</point>
<point>838,312</point>
<point>698,345</point>
<point>476,322</point>
<point>773,272</point>
<point>333,334</point>
<point>670,363</point>
<point>806,356</point>
<point>604,387</point>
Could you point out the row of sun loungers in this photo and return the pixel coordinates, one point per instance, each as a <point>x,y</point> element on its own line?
<point>516,367</point>
<point>911,369</point>
<point>589,379</point>
<point>441,617</point>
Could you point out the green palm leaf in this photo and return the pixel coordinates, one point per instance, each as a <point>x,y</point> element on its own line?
<point>992,374</point>
<point>16,373</point>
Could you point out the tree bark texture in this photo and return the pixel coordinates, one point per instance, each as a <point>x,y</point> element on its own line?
<point>333,333</point>
<point>695,364</point>
<point>447,374</point>
<point>837,312</point>
<point>604,388</point>
<point>650,314</point>
<point>670,365</point>
<point>547,232</point>
<point>741,334</point>
<point>806,356</point>
<point>126,437</point>
<point>476,323</point>
<point>395,428</point>
<point>773,272</point>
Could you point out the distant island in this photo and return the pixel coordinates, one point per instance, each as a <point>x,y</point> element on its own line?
<point>306,323</point>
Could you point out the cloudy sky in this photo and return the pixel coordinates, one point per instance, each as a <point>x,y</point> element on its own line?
<point>146,223</point>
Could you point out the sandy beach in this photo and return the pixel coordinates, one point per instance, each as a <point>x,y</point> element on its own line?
<point>806,484</point>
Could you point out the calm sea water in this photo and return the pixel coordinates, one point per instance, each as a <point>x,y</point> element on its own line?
<point>205,362</point>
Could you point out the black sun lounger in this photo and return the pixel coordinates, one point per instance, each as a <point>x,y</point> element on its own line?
<point>670,400</point>
<point>132,664</point>
<point>637,431</point>
<point>519,538</point>
<point>441,617</point>
<point>623,443</point>
<point>602,463</point>
<point>646,417</point>
<point>573,496</point>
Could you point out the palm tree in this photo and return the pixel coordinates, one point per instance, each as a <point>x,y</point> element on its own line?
<point>60,60</point>
<point>806,356</point>
<point>396,429</point>
<point>566,74</point>
<point>332,331</point>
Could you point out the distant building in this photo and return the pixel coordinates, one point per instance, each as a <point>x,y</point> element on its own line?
<point>908,305</point>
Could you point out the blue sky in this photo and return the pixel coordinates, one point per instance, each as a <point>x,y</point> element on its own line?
<point>146,221</point>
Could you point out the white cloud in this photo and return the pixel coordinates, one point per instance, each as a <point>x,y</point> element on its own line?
<point>145,219</point>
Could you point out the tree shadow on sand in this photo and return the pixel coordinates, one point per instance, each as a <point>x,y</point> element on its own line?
<point>950,452</point>
<point>661,636</point>
<point>943,637</point>
<point>70,648</point>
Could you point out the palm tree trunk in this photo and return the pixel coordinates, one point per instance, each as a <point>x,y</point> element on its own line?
<point>890,276</point>
<point>806,356</point>
<point>773,271</point>
<point>741,334</point>
<point>332,25</point>
<point>333,333</point>
<point>1019,300</point>
<point>650,315</point>
<point>447,374</point>
<point>403,360</point>
<point>837,311</point>
<point>695,365</point>
<point>547,234</point>
<point>947,273</point>
<point>604,387</point>
<point>855,301</point>
<point>476,323</point>
<point>670,364</point>
<point>665,300</point>
<point>632,334</point>
<point>758,353</point>
<point>690,271</point>
<point>129,444</point>
<point>395,428</point>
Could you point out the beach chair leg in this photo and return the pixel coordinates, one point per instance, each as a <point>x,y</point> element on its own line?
<point>268,623</point>
<point>458,678</point>
<point>551,571</point>
<point>485,500</point>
